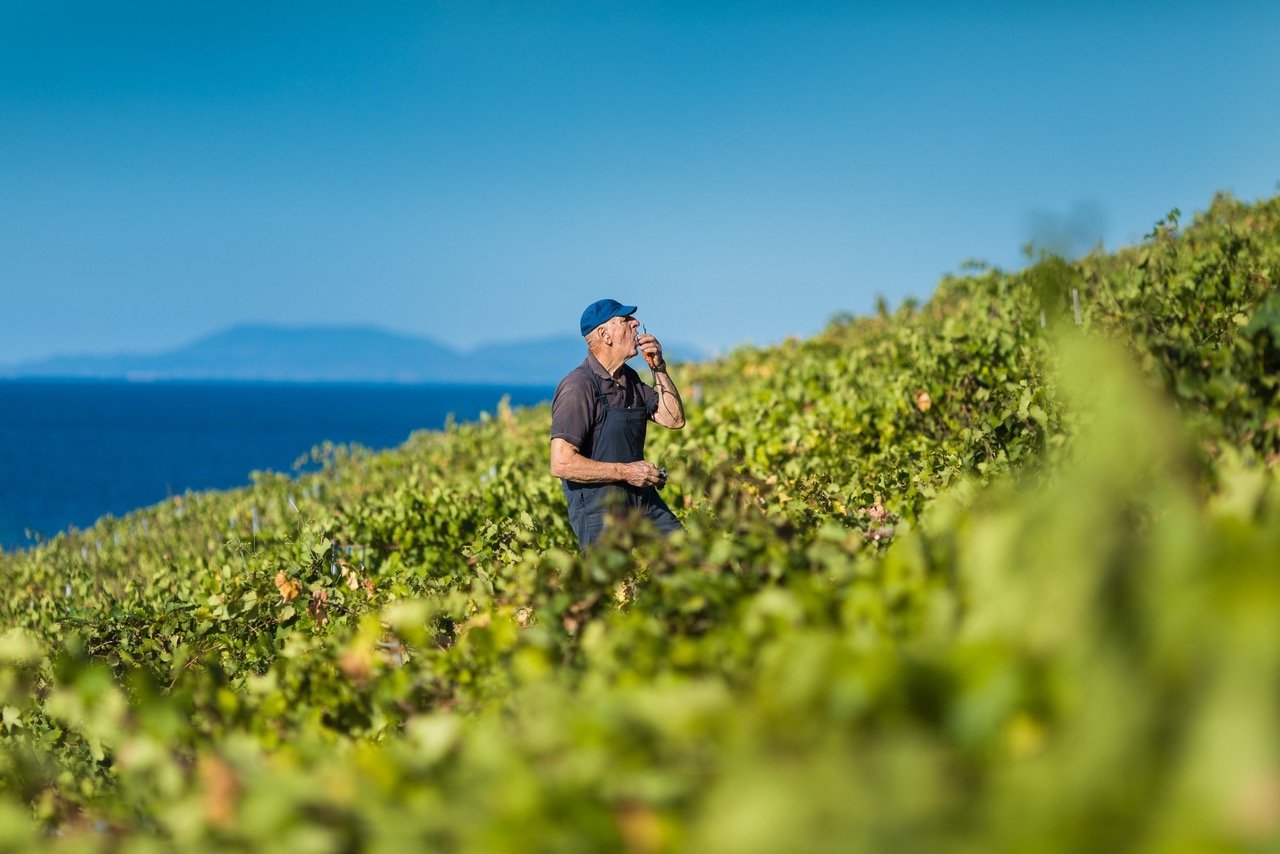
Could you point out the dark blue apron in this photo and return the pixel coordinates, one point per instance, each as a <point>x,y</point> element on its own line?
<point>619,438</point>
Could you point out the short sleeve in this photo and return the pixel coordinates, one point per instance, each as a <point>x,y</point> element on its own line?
<point>571,409</point>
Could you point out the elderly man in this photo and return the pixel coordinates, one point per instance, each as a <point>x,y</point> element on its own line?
<point>598,421</point>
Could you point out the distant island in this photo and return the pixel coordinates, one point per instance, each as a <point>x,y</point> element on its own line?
<point>264,353</point>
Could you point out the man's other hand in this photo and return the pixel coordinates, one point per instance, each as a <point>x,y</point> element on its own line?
<point>641,473</point>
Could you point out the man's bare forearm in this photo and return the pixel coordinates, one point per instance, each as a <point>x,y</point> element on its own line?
<point>580,469</point>
<point>568,463</point>
<point>670,412</point>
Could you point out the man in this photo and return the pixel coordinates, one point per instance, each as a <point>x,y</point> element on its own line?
<point>599,416</point>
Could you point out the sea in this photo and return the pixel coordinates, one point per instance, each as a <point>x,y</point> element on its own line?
<point>73,451</point>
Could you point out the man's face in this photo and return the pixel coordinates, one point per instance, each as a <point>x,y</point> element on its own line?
<point>623,332</point>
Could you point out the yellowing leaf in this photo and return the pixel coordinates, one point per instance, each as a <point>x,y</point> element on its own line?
<point>287,586</point>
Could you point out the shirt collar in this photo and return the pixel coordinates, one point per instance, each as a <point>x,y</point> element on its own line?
<point>593,364</point>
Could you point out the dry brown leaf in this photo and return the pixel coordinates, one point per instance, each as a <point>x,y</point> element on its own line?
<point>876,513</point>
<point>221,790</point>
<point>287,586</point>
<point>356,663</point>
<point>1255,809</point>
<point>316,608</point>
<point>640,828</point>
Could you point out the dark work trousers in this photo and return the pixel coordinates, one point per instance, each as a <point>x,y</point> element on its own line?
<point>619,438</point>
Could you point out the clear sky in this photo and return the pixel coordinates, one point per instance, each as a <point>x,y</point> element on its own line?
<point>480,171</point>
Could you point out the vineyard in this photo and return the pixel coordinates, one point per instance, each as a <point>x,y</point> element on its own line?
<point>996,570</point>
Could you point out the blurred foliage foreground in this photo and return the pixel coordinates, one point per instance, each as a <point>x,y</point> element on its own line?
<point>997,571</point>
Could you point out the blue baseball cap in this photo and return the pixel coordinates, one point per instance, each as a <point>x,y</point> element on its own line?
<point>600,311</point>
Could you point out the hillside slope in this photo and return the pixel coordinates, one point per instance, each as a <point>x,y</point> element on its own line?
<point>968,572</point>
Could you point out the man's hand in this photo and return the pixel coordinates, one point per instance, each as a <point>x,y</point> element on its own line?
<point>650,349</point>
<point>641,473</point>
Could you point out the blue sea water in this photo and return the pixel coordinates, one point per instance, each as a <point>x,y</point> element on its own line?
<point>71,452</point>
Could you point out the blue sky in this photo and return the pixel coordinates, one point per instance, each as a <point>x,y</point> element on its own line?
<point>476,171</point>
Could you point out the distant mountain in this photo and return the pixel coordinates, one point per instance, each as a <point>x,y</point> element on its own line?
<point>332,354</point>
